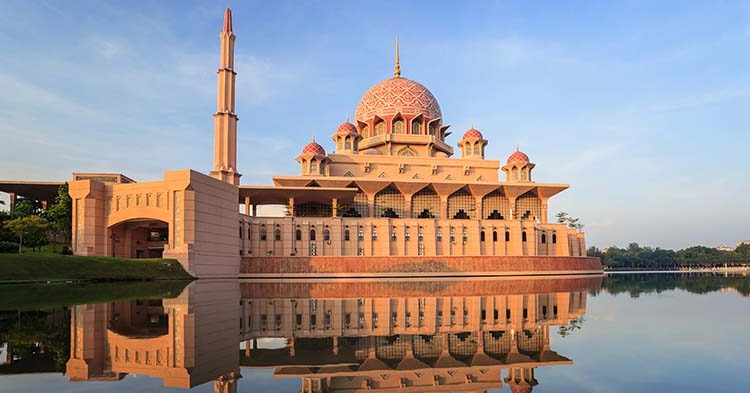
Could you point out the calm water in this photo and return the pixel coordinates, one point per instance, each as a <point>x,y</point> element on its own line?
<point>621,333</point>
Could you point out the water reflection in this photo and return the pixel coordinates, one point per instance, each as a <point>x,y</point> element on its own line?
<point>467,335</point>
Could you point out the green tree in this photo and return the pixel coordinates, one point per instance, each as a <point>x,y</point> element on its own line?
<point>571,222</point>
<point>24,208</point>
<point>60,216</point>
<point>31,229</point>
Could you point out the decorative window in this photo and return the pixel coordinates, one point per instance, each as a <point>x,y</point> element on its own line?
<point>322,167</point>
<point>464,235</point>
<point>461,205</point>
<point>432,129</point>
<point>365,131</point>
<point>495,206</point>
<point>481,236</point>
<point>313,166</point>
<point>494,236</point>
<point>399,127</point>
<point>523,236</point>
<point>407,234</point>
<point>393,233</point>
<point>380,128</point>
<point>420,234</point>
<point>348,144</point>
<point>263,234</point>
<point>477,151</point>
<point>358,208</point>
<point>452,235</point>
<point>439,234</point>
<point>544,238</point>
<point>515,173</point>
<point>360,233</point>
<point>298,234</point>
<point>313,209</point>
<point>507,236</point>
<point>416,127</point>
<point>312,235</point>
<point>389,203</point>
<point>313,248</point>
<point>554,238</point>
<point>242,234</point>
<point>326,235</point>
<point>528,206</point>
<point>346,235</point>
<point>374,234</point>
<point>277,234</point>
<point>425,204</point>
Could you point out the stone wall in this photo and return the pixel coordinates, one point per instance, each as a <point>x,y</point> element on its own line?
<point>415,266</point>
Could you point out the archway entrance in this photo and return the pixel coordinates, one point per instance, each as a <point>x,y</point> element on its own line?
<point>138,238</point>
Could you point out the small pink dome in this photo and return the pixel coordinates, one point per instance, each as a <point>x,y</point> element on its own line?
<point>313,148</point>
<point>473,133</point>
<point>346,128</point>
<point>518,157</point>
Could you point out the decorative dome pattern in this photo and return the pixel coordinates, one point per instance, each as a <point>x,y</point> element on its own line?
<point>473,133</point>
<point>313,148</point>
<point>518,157</point>
<point>346,128</point>
<point>397,95</point>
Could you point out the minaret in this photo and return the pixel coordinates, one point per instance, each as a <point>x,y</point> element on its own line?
<point>225,118</point>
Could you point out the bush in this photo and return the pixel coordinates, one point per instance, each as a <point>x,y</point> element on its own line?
<point>8,247</point>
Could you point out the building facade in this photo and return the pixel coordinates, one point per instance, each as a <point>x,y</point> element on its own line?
<point>390,188</point>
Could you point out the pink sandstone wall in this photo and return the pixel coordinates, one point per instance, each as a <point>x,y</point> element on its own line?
<point>415,266</point>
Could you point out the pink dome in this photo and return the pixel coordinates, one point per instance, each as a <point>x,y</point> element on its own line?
<point>346,128</point>
<point>313,148</point>
<point>473,133</point>
<point>518,157</point>
<point>397,95</point>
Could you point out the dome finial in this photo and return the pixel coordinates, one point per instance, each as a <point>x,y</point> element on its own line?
<point>397,66</point>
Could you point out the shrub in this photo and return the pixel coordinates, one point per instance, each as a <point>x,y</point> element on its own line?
<point>8,247</point>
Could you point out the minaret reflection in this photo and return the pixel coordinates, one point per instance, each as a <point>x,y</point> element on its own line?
<point>413,335</point>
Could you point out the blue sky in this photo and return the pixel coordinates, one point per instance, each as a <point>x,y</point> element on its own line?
<point>642,107</point>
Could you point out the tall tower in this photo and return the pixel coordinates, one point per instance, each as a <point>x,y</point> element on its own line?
<point>225,118</point>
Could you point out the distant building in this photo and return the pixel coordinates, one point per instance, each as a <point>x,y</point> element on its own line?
<point>724,247</point>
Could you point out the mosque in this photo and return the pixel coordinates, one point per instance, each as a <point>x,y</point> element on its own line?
<point>391,199</point>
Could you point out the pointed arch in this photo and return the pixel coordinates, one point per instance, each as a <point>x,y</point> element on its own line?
<point>389,202</point>
<point>425,203</point>
<point>398,125</point>
<point>528,206</point>
<point>462,205</point>
<point>495,206</point>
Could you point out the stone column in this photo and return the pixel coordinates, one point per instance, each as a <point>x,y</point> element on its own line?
<point>290,206</point>
<point>247,205</point>
<point>12,202</point>
<point>334,207</point>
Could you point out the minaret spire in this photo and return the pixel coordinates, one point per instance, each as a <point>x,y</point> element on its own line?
<point>397,66</point>
<point>225,118</point>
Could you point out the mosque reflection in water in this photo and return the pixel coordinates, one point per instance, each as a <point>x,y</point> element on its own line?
<point>404,336</point>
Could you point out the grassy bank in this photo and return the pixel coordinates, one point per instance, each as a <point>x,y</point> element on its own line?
<point>43,266</point>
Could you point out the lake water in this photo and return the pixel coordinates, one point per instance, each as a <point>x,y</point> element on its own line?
<point>668,332</point>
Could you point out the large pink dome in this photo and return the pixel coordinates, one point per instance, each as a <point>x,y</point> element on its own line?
<point>397,95</point>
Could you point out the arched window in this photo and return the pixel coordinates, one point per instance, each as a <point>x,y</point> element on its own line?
<point>494,236</point>
<point>346,235</point>
<point>432,129</point>
<point>523,236</point>
<point>544,238</point>
<point>467,149</point>
<point>515,173</point>
<point>389,203</point>
<point>528,206</point>
<point>365,131</point>
<point>495,206</point>
<point>477,150</point>
<point>298,234</point>
<point>348,143</point>
<point>399,127</point>
<point>326,235</point>
<point>263,234</point>
<point>425,203</point>
<point>380,128</point>
<point>481,236</point>
<point>507,236</point>
<point>323,167</point>
<point>554,238</point>
<point>361,233</point>
<point>416,127</point>
<point>312,235</point>
<point>523,174</point>
<point>313,166</point>
<point>393,233</point>
<point>461,205</point>
<point>277,234</point>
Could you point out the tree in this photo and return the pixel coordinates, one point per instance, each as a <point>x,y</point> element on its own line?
<point>31,229</point>
<point>60,214</point>
<point>571,222</point>
<point>24,208</point>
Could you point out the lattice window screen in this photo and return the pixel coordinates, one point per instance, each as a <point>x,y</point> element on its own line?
<point>389,203</point>
<point>358,208</point>
<point>462,205</point>
<point>528,206</point>
<point>495,206</point>
<point>425,204</point>
<point>313,209</point>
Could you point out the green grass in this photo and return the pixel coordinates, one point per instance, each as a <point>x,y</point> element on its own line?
<point>45,266</point>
